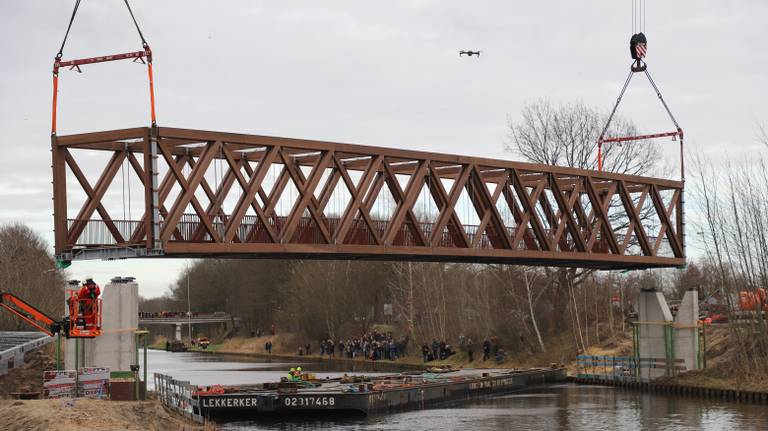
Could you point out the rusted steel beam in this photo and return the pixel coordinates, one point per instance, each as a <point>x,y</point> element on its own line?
<point>446,205</point>
<point>356,204</point>
<point>59,168</point>
<point>405,200</point>
<point>95,196</point>
<point>427,254</point>
<point>635,223</point>
<point>548,204</point>
<point>251,141</point>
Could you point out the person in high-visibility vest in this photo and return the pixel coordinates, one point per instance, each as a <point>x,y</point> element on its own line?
<point>292,374</point>
<point>86,298</point>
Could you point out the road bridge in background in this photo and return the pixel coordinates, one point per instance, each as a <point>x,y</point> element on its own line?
<point>178,193</point>
<point>183,320</point>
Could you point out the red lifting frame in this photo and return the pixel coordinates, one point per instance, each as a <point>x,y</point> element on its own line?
<point>145,54</point>
<point>676,134</point>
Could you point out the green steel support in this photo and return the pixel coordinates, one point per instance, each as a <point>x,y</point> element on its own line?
<point>636,347</point>
<point>141,338</point>
<point>77,363</point>
<point>669,348</point>
<point>703,347</point>
<point>136,380</point>
<point>146,336</point>
<point>58,351</point>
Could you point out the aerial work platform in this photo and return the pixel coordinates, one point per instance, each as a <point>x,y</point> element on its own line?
<point>194,193</point>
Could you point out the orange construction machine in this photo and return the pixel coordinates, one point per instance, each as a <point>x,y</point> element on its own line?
<point>753,301</point>
<point>83,321</point>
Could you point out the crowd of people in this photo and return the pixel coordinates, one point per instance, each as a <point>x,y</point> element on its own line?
<point>384,346</point>
<point>177,314</point>
<point>440,350</point>
<point>372,345</point>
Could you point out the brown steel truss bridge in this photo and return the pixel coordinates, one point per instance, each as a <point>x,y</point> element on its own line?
<point>167,192</point>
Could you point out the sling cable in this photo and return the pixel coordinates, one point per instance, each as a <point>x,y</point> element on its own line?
<point>138,56</point>
<point>638,47</point>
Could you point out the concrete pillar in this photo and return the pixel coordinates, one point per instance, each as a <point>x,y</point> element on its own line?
<point>653,312</point>
<point>116,347</point>
<point>686,340</point>
<point>178,332</point>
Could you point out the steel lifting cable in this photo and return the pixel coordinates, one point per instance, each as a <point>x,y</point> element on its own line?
<point>69,27</point>
<point>621,95</point>
<point>138,29</point>
<point>616,106</point>
<point>658,93</point>
<point>72,19</point>
<point>639,11</point>
<point>146,53</point>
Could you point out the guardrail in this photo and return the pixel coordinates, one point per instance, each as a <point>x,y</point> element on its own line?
<point>20,343</point>
<point>623,368</point>
<point>177,395</point>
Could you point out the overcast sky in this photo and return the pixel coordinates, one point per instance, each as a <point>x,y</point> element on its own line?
<point>379,73</point>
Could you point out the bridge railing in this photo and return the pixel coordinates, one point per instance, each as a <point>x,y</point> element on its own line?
<point>624,368</point>
<point>177,395</point>
<point>97,233</point>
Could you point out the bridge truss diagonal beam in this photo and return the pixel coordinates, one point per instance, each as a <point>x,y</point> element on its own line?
<point>249,196</point>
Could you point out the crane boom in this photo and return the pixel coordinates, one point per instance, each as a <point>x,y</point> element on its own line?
<point>30,313</point>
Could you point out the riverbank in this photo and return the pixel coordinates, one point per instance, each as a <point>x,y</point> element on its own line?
<point>719,374</point>
<point>91,414</point>
<point>282,350</point>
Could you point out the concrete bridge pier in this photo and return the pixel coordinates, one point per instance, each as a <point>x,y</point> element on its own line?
<point>686,330</point>
<point>116,347</point>
<point>662,337</point>
<point>178,332</point>
<point>653,314</point>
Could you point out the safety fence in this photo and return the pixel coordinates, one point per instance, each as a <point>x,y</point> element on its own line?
<point>14,345</point>
<point>177,395</point>
<point>89,382</point>
<point>625,368</point>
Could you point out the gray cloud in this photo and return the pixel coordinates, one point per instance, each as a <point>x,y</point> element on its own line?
<point>380,73</point>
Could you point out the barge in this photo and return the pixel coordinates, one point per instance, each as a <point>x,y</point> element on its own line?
<point>365,395</point>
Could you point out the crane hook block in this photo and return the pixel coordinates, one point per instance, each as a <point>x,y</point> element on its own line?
<point>638,47</point>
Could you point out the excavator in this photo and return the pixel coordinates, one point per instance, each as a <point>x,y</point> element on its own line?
<point>83,320</point>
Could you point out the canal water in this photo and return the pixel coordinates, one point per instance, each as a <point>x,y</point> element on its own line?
<point>556,407</point>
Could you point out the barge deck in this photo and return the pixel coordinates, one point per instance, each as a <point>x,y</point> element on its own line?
<point>367,395</point>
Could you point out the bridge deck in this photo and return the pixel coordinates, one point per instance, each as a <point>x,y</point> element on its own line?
<point>213,194</point>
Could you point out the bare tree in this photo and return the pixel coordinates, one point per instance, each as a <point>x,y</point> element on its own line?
<point>567,134</point>
<point>28,270</point>
<point>732,197</point>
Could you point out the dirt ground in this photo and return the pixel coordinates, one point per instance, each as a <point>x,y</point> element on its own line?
<point>89,414</point>
<point>29,377</point>
<point>80,414</point>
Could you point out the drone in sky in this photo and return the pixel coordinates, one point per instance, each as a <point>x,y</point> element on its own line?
<point>469,53</point>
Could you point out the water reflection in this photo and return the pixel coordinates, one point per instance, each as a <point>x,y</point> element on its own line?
<point>207,369</point>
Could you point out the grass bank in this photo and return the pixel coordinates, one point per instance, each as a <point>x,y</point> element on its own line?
<point>283,349</point>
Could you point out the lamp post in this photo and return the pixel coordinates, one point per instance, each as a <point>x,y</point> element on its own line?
<point>189,311</point>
